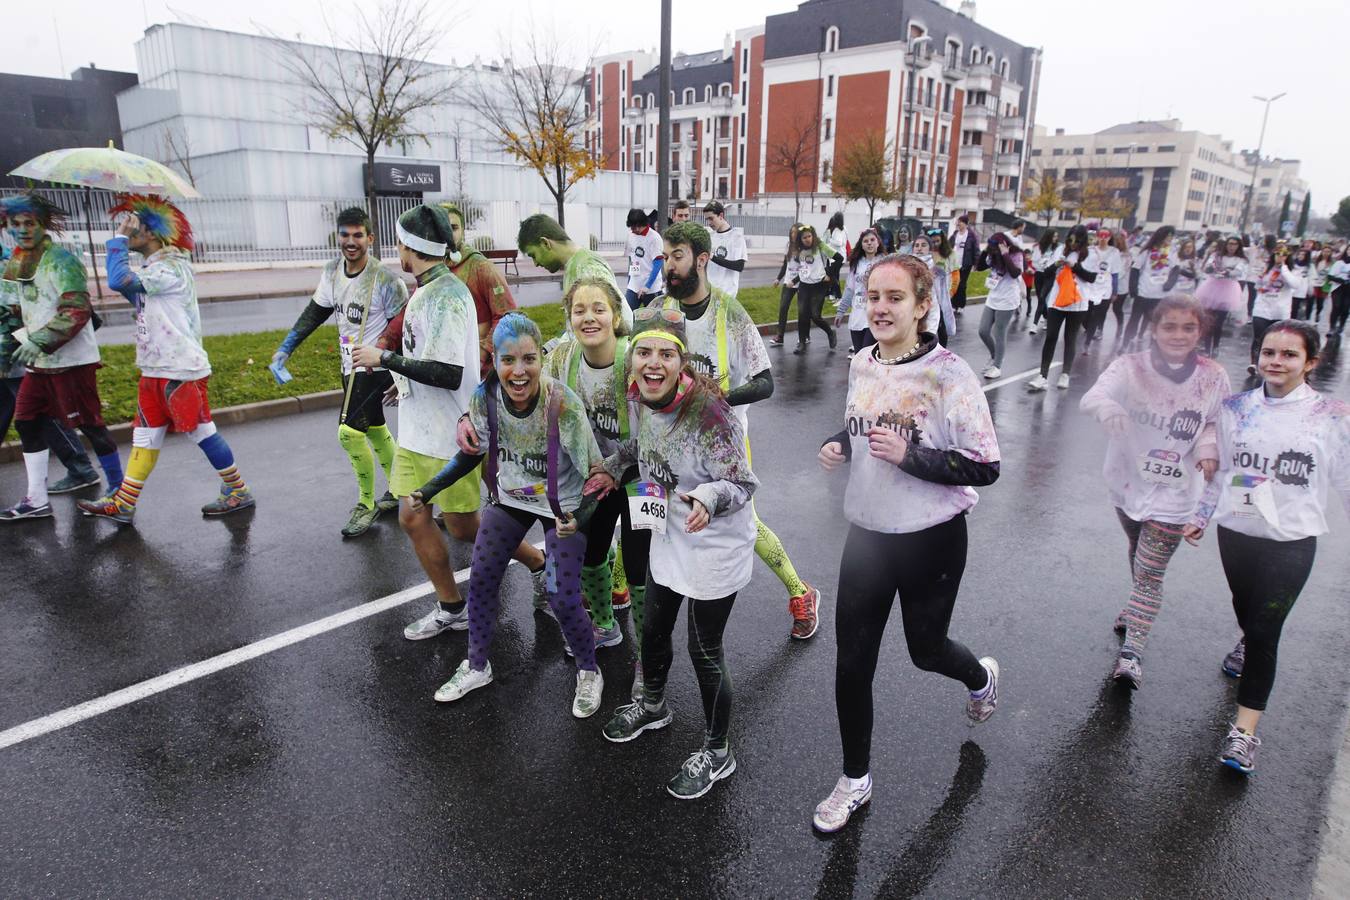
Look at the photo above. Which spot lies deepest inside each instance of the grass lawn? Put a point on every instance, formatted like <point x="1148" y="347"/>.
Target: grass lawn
<point x="239" y="361"/>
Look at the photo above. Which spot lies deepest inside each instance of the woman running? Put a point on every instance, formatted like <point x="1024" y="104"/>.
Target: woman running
<point x="1003" y="261"/>
<point x="786" y="289"/>
<point x="1222" y="293"/>
<point x="1066" y="306"/>
<point x="1283" y="448"/>
<point x="1300" y="262"/>
<point x="539" y="448"/>
<point x="918" y="437"/>
<point x="1102" y="260"/>
<point x="1275" y="289"/>
<point x="853" y="307"/>
<point x="806" y="272"/>
<point x="1044" y="258"/>
<point x="694" y="495"/>
<point x="1160" y="409"/>
<point x="1120" y="271"/>
<point x="1338" y="283"/>
<point x="1322" y="264"/>
<point x="937" y="254"/>
<point x="1152" y="267"/>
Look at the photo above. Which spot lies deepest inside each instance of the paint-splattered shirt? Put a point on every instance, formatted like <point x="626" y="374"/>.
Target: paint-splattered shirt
<point x="1279" y="459"/>
<point x="168" y="323"/>
<point x="522" y="447"/>
<point x="744" y="350"/>
<point x="375" y="287"/>
<point x="439" y="325"/>
<point x="49" y="287"/>
<point x="1173" y="414"/>
<point x="491" y="297"/>
<point x="699" y="451"/>
<point x="601" y="389"/>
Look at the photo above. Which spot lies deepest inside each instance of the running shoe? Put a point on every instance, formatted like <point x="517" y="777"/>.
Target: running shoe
<point x="540" y="599"/>
<point x="1037" y="384"/>
<point x="631" y="720"/>
<point x="26" y="510"/>
<point x="388" y="503"/>
<point x="981" y="704"/>
<point x="636" y="692"/>
<point x="74" y="483"/>
<point x="1120" y="627"/>
<point x="993" y="372"/>
<point x="834" y="339"/>
<point x="586" y="700"/>
<point x="361" y="519"/>
<point x="621" y="599"/>
<point x="799" y="349"/>
<point x="1032" y="328"/>
<point x="700" y="772"/>
<point x="436" y="622"/>
<point x="107" y="508"/>
<point x="805" y="613"/>
<point x="1239" y="751"/>
<point x="1128" y="672"/>
<point x="776" y="341"/>
<point x="1063" y="381"/>
<point x="465" y="679"/>
<point x="832" y="813"/>
<point x="228" y="502"/>
<point x="1232" y="663"/>
<point x="604" y="637"/>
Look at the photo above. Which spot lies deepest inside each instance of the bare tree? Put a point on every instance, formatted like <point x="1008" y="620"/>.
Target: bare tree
<point x="793" y="153"/>
<point x="176" y="150"/>
<point x="366" y="86"/>
<point x="535" y="111"/>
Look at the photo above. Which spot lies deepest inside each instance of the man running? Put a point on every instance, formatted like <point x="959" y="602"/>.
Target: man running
<point x="367" y="296"/>
<point x="681" y="212"/>
<point x="729" y="251"/>
<point x="725" y="345"/>
<point x="645" y="261"/>
<point x="169" y="352"/>
<point x="491" y="294"/>
<point x="435" y="370"/>
<point x="48" y="286"/>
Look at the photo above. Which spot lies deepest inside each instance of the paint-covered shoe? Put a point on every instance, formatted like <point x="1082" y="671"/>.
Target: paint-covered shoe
<point x="981" y="704"/>
<point x="361" y="519"/>
<point x="230" y="502"/>
<point x="1239" y="751"/>
<point x="387" y="503"/>
<point x="1128" y="672"/>
<point x="107" y="508"/>
<point x="833" y="812"/>
<point x="1233" y="662"/>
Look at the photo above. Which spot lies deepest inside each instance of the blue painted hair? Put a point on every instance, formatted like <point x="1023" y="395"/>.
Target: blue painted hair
<point x="514" y="326"/>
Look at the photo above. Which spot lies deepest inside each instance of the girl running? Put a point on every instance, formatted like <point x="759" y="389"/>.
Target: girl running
<point x="1153" y="265"/>
<point x="1044" y="259"/>
<point x="1160" y="409"/>
<point x="787" y="291"/>
<point x="1120" y="270"/>
<point x="1274" y="298"/>
<point x="1322" y="263"/>
<point x="854" y="304"/>
<point x="694" y="495"/>
<point x="1004" y="262"/>
<point x="806" y="271"/>
<point x="1066" y="306"/>
<point x="918" y="436"/>
<point x="1102" y="259"/>
<point x="1222" y="293"/>
<point x="1338" y="282"/>
<point x="1283" y="448"/>
<point x="1301" y="264"/>
<point x="934" y="251"/>
<point x="539" y="448"/>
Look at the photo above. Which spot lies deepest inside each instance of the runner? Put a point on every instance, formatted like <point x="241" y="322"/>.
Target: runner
<point x="787" y="291"/>
<point x="1275" y="288"/>
<point x="1338" y="283"/>
<point x="729" y="250"/>
<point x="543" y="240"/>
<point x="366" y="296"/>
<point x="1301" y="264"/>
<point x="175" y="371"/>
<point x="694" y="494"/>
<point x="1152" y="268"/>
<point x="1222" y="294"/>
<point x="432" y="351"/>
<point x="1003" y="260"/>
<point x="1066" y="305"/>
<point x="725" y="345"/>
<point x="539" y="448"/>
<point x="938" y="255"/>
<point x="919" y="437"/>
<point x="1122" y="264"/>
<point x="644" y="261"/>
<point x="806" y="272"/>
<point x="854" y="303"/>
<point x="1283" y="448"/>
<point x="48" y="287"/>
<point x="1159" y="408"/>
<point x="491" y="294"/>
<point x="1044" y="259"/>
<point x="1104" y="260"/>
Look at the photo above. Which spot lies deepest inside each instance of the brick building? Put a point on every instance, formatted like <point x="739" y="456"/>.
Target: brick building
<point x="954" y="100"/>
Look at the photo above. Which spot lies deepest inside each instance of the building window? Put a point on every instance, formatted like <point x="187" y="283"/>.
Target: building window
<point x="831" y="39"/>
<point x="623" y="80"/>
<point x="742" y="157"/>
<point x="688" y="95"/>
<point x="1167" y="148"/>
<point x="651" y="100"/>
<point x="1265" y="182"/>
<point x="1058" y="151"/>
<point x="724" y="127"/>
<point x="740" y="186"/>
<point x="742" y="124"/>
<point x="1077" y="151"/>
<point x="745" y="59"/>
<point x="721" y="189"/>
<point x="707" y="92"/>
<point x="825" y="171"/>
<point x="975" y="56"/>
<point x="1100" y="151"/>
<point x="1036" y="152"/>
<point x="637" y="101"/>
<point x="1003" y="69"/>
<point x="829" y="125"/>
<point x="675" y="160"/>
<point x="989" y="59"/>
<point x="724" y="89"/>
<point x="829" y="85"/>
<point x="723" y="158"/>
<point x="953" y="54"/>
<point x="675" y="132"/>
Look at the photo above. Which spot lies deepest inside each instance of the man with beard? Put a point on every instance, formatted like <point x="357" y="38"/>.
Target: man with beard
<point x="491" y="294"/>
<point x="366" y="296"/>
<point x="725" y="345"/>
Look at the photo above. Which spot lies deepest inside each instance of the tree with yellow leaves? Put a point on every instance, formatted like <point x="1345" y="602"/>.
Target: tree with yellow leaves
<point x="1046" y="199"/>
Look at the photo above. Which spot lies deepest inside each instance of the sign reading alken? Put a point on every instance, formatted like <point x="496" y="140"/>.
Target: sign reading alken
<point x="407" y="178"/>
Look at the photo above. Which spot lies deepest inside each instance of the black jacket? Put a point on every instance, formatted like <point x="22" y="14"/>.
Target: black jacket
<point x="972" y="250"/>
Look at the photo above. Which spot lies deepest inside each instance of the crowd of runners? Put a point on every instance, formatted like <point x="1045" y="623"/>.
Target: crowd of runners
<point x="627" y="439"/>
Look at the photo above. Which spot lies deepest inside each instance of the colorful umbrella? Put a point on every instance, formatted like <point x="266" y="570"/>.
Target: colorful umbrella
<point x="107" y="168"/>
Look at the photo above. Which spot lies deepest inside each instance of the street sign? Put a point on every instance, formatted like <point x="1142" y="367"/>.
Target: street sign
<point x="407" y="178"/>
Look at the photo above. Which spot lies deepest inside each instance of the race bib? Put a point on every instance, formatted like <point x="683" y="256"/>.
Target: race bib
<point x="1252" y="496"/>
<point x="647" y="506"/>
<point x="634" y="268"/>
<point x="530" y="493"/>
<point x="1163" y="467"/>
<point x="402" y="385"/>
<point x="345" y="345"/>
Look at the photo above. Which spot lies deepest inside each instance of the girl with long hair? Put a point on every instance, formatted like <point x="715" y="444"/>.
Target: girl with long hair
<point x="1003" y="260"/>
<point x="1044" y="259"/>
<point x="937" y="254"/>
<point x="1222" y="293"/>
<point x="1274" y="298"/>
<point x="1153" y="265"/>
<point x="1120" y="270"/>
<point x="806" y="271"/>
<point x="1322" y="262"/>
<point x="1301" y="264"/>
<point x="788" y="290"/>
<point x="1066" y="306"/>
<point x="853" y="306"/>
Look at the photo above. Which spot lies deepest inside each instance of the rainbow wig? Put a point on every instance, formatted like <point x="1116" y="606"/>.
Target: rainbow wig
<point x="50" y="216"/>
<point x="159" y="217"/>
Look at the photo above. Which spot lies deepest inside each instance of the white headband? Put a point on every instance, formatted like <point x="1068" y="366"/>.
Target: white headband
<point x="421" y="245"/>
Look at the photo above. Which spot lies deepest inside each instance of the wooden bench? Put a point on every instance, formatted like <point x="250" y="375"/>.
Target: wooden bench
<point x="506" y="257"/>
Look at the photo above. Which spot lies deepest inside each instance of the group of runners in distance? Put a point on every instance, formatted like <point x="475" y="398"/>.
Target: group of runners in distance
<point x="627" y="439"/>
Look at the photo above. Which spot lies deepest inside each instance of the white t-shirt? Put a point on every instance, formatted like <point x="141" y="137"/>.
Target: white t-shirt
<point x="728" y="245"/>
<point x="599" y="389"/>
<point x="374" y="285"/>
<point x="1084" y="287"/>
<point x="1004" y="290"/>
<point x="746" y="354"/>
<point x="1275" y="294"/>
<point x="1100" y="261"/>
<point x="440" y="324"/>
<point x="1154" y="267"/>
<point x="934" y="401"/>
<point x="58" y="272"/>
<point x="169" y="323"/>
<point x="643" y="251"/>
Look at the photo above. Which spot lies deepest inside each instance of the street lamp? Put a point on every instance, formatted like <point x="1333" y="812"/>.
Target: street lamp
<point x="1256" y="166"/>
<point x="913" y="54"/>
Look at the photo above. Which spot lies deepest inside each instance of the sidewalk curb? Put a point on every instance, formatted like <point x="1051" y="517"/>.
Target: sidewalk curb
<point x="1332" y="876"/>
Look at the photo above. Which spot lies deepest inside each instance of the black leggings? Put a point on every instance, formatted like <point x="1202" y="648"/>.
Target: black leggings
<point x="1266" y="578"/>
<point x="1140" y="314"/>
<point x="1215" y="334"/>
<point x="365" y="401"/>
<point x="1071" y="321"/>
<point x="1043" y="283"/>
<point x="1096" y="320"/>
<point x="707" y="621"/>
<point x="924" y="568"/>
<point x="34" y="440"/>
<point x="1340" y="308"/>
<point x="1259" y="328"/>
<point x="862" y="339"/>
<point x="959" y="298"/>
<point x="810" y="303"/>
<point x="784" y="301"/>
<point x="600" y="531"/>
<point x="1118" y="310"/>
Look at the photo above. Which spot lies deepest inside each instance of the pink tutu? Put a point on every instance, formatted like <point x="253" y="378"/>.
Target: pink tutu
<point x="1222" y="295"/>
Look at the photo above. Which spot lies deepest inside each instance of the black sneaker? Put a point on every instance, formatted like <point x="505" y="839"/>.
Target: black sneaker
<point x="388" y="503"/>
<point x="74" y="482"/>
<point x="26" y="510"/>
<point x="834" y="340"/>
<point x="631" y="720"/>
<point x="700" y="772"/>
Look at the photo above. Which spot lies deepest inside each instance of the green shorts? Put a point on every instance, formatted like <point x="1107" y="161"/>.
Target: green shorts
<point x="412" y="470"/>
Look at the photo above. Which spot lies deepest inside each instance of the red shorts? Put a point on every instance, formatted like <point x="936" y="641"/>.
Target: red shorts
<point x="70" y="396"/>
<point x="181" y="405"/>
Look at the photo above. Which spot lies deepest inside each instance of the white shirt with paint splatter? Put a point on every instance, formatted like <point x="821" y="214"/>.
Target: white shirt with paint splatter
<point x="440" y="324"/>
<point x="375" y="287"/>
<point x="169" y="324"/>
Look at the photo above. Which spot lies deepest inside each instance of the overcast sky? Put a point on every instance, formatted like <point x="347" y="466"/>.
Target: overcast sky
<point x="1198" y="60"/>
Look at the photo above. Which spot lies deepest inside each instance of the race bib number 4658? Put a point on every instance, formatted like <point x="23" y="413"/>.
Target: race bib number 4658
<point x="647" y="506"/>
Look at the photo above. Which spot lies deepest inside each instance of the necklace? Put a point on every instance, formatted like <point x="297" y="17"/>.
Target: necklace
<point x="876" y="354"/>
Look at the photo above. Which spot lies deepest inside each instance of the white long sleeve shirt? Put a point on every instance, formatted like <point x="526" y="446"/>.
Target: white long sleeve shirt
<point x="1275" y="294"/>
<point x="1154" y="267"/>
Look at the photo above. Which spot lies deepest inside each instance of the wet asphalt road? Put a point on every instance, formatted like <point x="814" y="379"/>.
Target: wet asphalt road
<point x="325" y="769"/>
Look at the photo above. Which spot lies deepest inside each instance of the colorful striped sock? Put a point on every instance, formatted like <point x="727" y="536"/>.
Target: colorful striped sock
<point x="139" y="466"/>
<point x="231" y="479"/>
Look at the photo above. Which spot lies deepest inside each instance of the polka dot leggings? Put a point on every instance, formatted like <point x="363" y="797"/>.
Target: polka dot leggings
<point x="498" y="536"/>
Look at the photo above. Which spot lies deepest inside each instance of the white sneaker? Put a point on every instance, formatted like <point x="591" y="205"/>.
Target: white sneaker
<point x="1037" y="384"/>
<point x="832" y="813"/>
<point x="1033" y="328"/>
<point x="540" y="598"/>
<point x="436" y="622"/>
<point x="464" y="680"/>
<point x="992" y="372"/>
<point x="590" y="685"/>
<point x="1064" y="381"/>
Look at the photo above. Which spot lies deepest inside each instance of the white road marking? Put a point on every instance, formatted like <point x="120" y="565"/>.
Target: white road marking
<point x="73" y="715"/>
<point x="1018" y="377"/>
